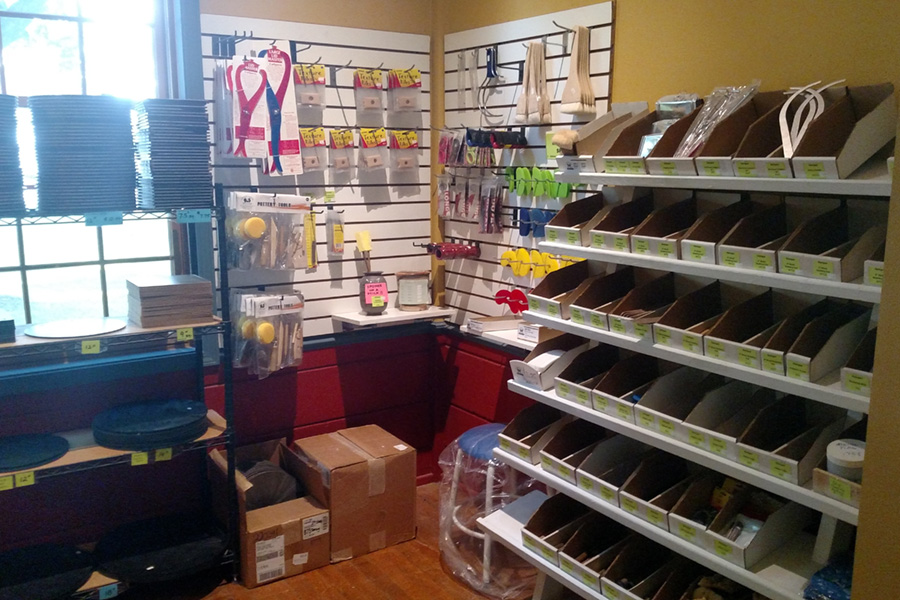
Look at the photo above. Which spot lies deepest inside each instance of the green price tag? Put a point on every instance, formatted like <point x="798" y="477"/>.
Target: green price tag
<point x="329" y="196"/>
<point x="772" y="363"/>
<point x="589" y="580"/>
<point x="525" y="453"/>
<point x="762" y="262"/>
<point x="780" y="469"/>
<point x="548" y="554"/>
<point x="629" y="505"/>
<point x="875" y="275"/>
<point x="687" y="532"/>
<point x="730" y="258"/>
<point x="666" y="427"/>
<point x="690" y="343"/>
<point x="857" y="383"/>
<point x="696" y="438"/>
<point x="666" y="249"/>
<point x="839" y="488"/>
<point x="582" y="397"/>
<point x="573" y="237"/>
<point x="24" y="479"/>
<point x="610" y="592"/>
<point x="646" y="419"/>
<point x="798" y="370"/>
<point x="504" y="444"/>
<point x="823" y="269"/>
<point x="565" y="565"/>
<point x="90" y="347"/>
<point x="552" y="149"/>
<point x="139" y="459"/>
<point x="598" y="321"/>
<point x="545" y="462"/>
<point x="577" y="316"/>
<point x="634" y="167"/>
<point x="663" y="335"/>
<point x="553" y="310"/>
<point x="715" y="348"/>
<point x="162" y="454"/>
<point x="624" y="412"/>
<point x="621" y="244"/>
<point x="814" y="170"/>
<point x="585" y="483"/>
<point x="711" y="168"/>
<point x="718" y="446"/>
<point x="607" y="494"/>
<point x="748" y="458"/>
<point x="377" y="300"/>
<point x="617" y="325"/>
<point x="655" y="517"/>
<point x="745" y="168"/>
<point x="611" y="166"/>
<point x="776" y="170"/>
<point x="641" y="246"/>
<point x="641" y="330"/>
<point x="668" y="167"/>
<point x="534" y="304"/>
<point x="789" y="264"/>
<point x="564" y="472"/>
<point x="6" y="483"/>
<point x="698" y="252"/>
<point x="748" y="357"/>
<point x="562" y="389"/>
<point x="597" y="240"/>
<point x="723" y="549"/>
<point x="601" y="403"/>
<point x="185" y="334"/>
<point x="552" y="235"/>
<point x="193" y="215"/>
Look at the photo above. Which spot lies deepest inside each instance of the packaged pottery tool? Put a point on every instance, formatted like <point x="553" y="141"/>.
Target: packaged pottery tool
<point x="309" y="85"/>
<point x="334" y="232"/>
<point x="404" y="90"/>
<point x="313" y="149"/>
<point x="266" y="231"/>
<point x="341" y="151"/>
<point x="404" y="150"/>
<point x="372" y="149"/>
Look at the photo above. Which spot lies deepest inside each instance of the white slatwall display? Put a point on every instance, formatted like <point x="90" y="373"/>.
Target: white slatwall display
<point x="396" y="212"/>
<point x="471" y="284"/>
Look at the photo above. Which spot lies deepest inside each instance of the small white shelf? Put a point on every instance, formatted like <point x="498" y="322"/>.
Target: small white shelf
<point x="827" y="390"/>
<point x="508" y="337"/>
<point x="394" y="316"/>
<point x="808" y="285"/>
<point x="782" y="575"/>
<point x="801" y="495"/>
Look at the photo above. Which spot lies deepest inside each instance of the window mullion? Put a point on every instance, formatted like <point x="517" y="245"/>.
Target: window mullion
<point x="102" y="258"/>
<point x="26" y="303"/>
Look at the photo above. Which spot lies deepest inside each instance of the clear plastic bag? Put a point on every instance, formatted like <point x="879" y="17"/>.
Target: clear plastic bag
<point x="464" y="501"/>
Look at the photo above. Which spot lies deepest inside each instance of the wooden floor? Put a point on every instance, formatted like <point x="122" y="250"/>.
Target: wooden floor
<point x="408" y="571"/>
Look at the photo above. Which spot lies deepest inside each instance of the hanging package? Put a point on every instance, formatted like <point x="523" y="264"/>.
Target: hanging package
<point x="404" y="90"/>
<point x="309" y="86"/>
<point x="404" y="150"/>
<point x="372" y="149"/>
<point x="281" y="104"/>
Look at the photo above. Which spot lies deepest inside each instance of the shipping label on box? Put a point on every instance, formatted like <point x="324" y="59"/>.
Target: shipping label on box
<point x="270" y="559"/>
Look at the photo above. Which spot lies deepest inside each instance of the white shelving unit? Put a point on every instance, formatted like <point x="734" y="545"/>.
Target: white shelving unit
<point x="506" y="336"/>
<point x="393" y="316"/>
<point x="782" y="575"/>
<point x="801" y="495"/>
<point x="827" y="390"/>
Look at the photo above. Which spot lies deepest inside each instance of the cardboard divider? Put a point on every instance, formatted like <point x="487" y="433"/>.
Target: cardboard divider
<point x="738" y="337"/>
<point x="677" y="584"/>
<point x="848" y="133"/>
<point x="696" y="497"/>
<point x="653" y="297"/>
<point x="571" y="225"/>
<point x="776" y="348"/>
<point x="655" y="475"/>
<point x="569" y="447"/>
<point x="551" y="526"/>
<point x="660" y="234"/>
<point x="576" y="381"/>
<point x="615" y="393"/>
<point x="661" y="160"/>
<point x="754" y="241"/>
<point x="547" y="360"/>
<point x="623" y="155"/>
<point x="595" y="138"/>
<point x="760" y="153"/>
<point x="856" y="375"/>
<point x="689" y="318"/>
<point x="603" y="292"/>
<point x="835" y="486"/>
<point x="556" y="290"/>
<point x="592" y="549"/>
<point x="723" y="415"/>
<point x="873" y="267"/>
<point x="671" y="398"/>
<point x="827" y="342"/>
<point x="643" y="563"/>
<point x="530" y="430"/>
<point x="701" y="241"/>
<point x="609" y="466"/>
<point x="613" y="230"/>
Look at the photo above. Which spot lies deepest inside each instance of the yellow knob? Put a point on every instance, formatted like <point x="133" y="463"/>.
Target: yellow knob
<point x="248" y="328"/>
<point x="265" y="332"/>
<point x="253" y="228"/>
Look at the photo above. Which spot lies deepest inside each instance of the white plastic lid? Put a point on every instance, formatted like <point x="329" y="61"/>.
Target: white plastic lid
<point x="847" y="453"/>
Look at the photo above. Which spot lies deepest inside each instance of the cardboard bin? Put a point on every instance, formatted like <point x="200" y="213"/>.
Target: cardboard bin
<point x="689" y="318"/>
<point x="695" y="497"/>
<point x="856" y="375"/>
<point x="660" y="234"/>
<point x="616" y="392"/>
<point x="654" y="487"/>
<point x="787" y="333"/>
<point x="874" y="267"/>
<point x="547" y="360"/>
<point x="276" y="541"/>
<point x="552" y="525"/>
<point x="644" y="563"/>
<point x="613" y="230"/>
<point x="595" y="137"/>
<point x="671" y="398"/>
<point x="556" y="291"/>
<point x="754" y="241"/>
<point x="788" y="438"/>
<point x="723" y="415"/>
<point x="577" y="380"/>
<point x="367" y="479"/>
<point x="530" y="430"/>
<point x="677" y="585"/>
<point x="662" y="160"/>
<point x="738" y="337"/>
<point x="569" y="447"/>
<point x="835" y="486"/>
<point x="655" y="296"/>
<point x="592" y="549"/>
<point x="609" y="466"/>
<point x="572" y="224"/>
<point x="592" y="306"/>
<point x="700" y="243"/>
<point x="827" y="342"/>
<point x="623" y="155"/>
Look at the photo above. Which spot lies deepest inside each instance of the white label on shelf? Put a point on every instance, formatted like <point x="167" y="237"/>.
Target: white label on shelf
<point x="270" y="559"/>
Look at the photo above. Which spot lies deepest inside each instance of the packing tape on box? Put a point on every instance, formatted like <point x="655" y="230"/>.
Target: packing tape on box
<point x="376" y="477"/>
<point x="345" y="554"/>
<point x="377" y="541"/>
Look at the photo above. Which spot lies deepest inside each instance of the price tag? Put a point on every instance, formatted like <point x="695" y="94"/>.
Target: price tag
<point x="607" y="494"/>
<point x="745" y="168"/>
<point x="597" y="240"/>
<point x="597" y="321"/>
<point x="690" y="343"/>
<point x="723" y="549"/>
<point x="585" y="483"/>
<point x="646" y="419"/>
<point x="562" y="389"/>
<point x="24" y="479"/>
<point x="875" y="275"/>
<point x="610" y="592"/>
<point x="698" y="252"/>
<point x="193" y="215"/>
<point x="529" y="543"/>
<point x="548" y="554"/>
<point x="582" y="397"/>
<point x="6" y="483"/>
<point x="504" y="444"/>
<point x="589" y="580"/>
<point x="572" y="237"/>
<point x="329" y="196"/>
<point x="564" y="472"/>
<point x="789" y="264"/>
<point x="696" y="438"/>
<point x="762" y="262"/>
<point x="90" y="347"/>
<point x="553" y="310"/>
<point x="687" y="532"/>
<point x="552" y="149"/>
<point x="655" y="517"/>
<point x="748" y="357"/>
<point x="711" y="168"/>
<point x="617" y="325"/>
<point x="525" y="453"/>
<point x="534" y="304"/>
<point x="857" y="383"/>
<point x="99" y="219"/>
<point x="552" y="235"/>
<point x="718" y="446"/>
<point x="162" y="454"/>
<point x="823" y="269"/>
<point x="814" y="170"/>
<point x="139" y="459"/>
<point x="798" y="370"/>
<point x="730" y="258"/>
<point x="377" y="300"/>
<point x="641" y="330"/>
<point x="781" y="469"/>
<point x="108" y="591"/>
<point x="748" y="458"/>
<point x="839" y="488"/>
<point x="601" y="403"/>
<point x="663" y="335"/>
<point x="545" y="462"/>
<point x="577" y="316"/>
<point x="624" y="412"/>
<point x="634" y="167"/>
<point x="776" y="170"/>
<point x="715" y="348"/>
<point x="641" y="246"/>
<point x="566" y="565"/>
<point x="668" y="167"/>
<point x="772" y="363"/>
<point x="666" y="427"/>
<point x="666" y="249"/>
<point x="185" y="334"/>
<point x="629" y="505"/>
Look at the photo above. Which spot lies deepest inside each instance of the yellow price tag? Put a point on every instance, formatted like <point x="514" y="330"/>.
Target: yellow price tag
<point x="723" y="549"/>
<point x="597" y="321"/>
<point x="377" y="300"/>
<point x="90" y="347"/>
<point x="780" y="469"/>
<point x="24" y="479"/>
<point x="623" y="411"/>
<point x="162" y="454"/>
<point x="823" y="269"/>
<point x="666" y="427"/>
<point x="797" y="370"/>
<point x="748" y="458"/>
<point x="654" y="516"/>
<point x="696" y="438"/>
<point x="715" y="348"/>
<point x="617" y="325"/>
<point x="790" y="264"/>
<point x="730" y="258"/>
<point x="875" y="275"/>
<point x="698" y="252"/>
<point x="641" y="246"/>
<point x="621" y="244"/>
<point x="718" y="446"/>
<point x="596" y="240"/>
<point x="607" y="494"/>
<point x="139" y="458"/>
<point x="582" y="397"/>
<point x="185" y="334"/>
<point x="668" y="167"/>
<point x="839" y="488"/>
<point x="601" y="403"/>
<point x="585" y="483"/>
<point x="647" y="420"/>
<point x="6" y="483"/>
<point x="562" y="389"/>
<point x="814" y="170"/>
<point x="686" y="531"/>
<point x="748" y="357"/>
<point x="630" y="505"/>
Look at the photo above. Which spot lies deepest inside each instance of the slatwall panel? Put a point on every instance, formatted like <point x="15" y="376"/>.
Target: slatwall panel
<point x="395" y="211"/>
<point x="471" y="284"/>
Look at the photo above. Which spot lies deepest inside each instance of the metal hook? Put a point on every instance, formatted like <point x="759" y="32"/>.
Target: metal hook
<point x="308" y="46"/>
<point x="561" y="27"/>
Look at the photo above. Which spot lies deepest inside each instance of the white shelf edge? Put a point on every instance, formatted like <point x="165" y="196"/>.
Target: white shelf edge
<point x="751" y="578"/>
<point x="797" y="493"/>
<point x="807" y="285"/>
<point x="507" y="337"/>
<point x="871" y="187"/>
<point x="828" y="394"/>
<point x="393" y="316"/>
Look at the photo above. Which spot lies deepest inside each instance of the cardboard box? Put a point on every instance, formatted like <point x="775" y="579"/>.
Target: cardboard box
<point x="738" y="337"/>
<point x="787" y="333"/>
<point x="569" y="447"/>
<point x="654" y="487"/>
<point x="754" y="241"/>
<point x="873" y="268"/>
<point x="552" y="525"/>
<point x="592" y="549"/>
<point x="548" y="359"/>
<point x="615" y="393"/>
<point x="553" y="295"/>
<point x="660" y="233"/>
<point x="689" y="318"/>
<point x="835" y="486"/>
<point x="848" y="133"/>
<point x="595" y="138"/>
<point x="572" y="224"/>
<point x="680" y="583"/>
<point x="700" y="243"/>
<point x="592" y="305"/>
<point x="623" y="155"/>
<point x="367" y="478"/>
<point x="723" y="415"/>
<point x="654" y="296"/>
<point x="670" y="399"/>
<point x="856" y="375"/>
<point x="644" y="563"/>
<point x="530" y="430"/>
<point x="577" y="380"/>
<point x="276" y="541"/>
<point x="609" y="466"/>
<point x="760" y="153"/>
<point x="613" y="230"/>
<point x="662" y="160"/>
<point x="696" y="497"/>
<point x="827" y="342"/>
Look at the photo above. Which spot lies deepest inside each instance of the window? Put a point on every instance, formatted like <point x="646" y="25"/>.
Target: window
<point x="54" y="268"/>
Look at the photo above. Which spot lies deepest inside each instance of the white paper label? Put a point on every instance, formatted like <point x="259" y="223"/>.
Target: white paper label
<point x="400" y="447"/>
<point x="315" y="526"/>
<point x="300" y="559"/>
<point x="527" y="332"/>
<point x="475" y="327"/>
<point x="270" y="559"/>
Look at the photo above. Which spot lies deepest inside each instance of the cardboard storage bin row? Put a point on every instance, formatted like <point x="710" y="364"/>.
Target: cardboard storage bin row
<point x="569" y="447"/>
<point x="573" y="223"/>
<point x="553" y="295"/>
<point x="856" y="375"/>
<point x="549" y="357"/>
<point x="834" y="485"/>
<point x="530" y="430"/>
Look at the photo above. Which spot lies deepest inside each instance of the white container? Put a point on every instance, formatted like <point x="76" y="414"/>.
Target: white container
<point x="845" y="459"/>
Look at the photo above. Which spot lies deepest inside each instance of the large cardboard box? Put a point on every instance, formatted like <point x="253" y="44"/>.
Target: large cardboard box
<point x="277" y="541"/>
<point x="367" y="479"/>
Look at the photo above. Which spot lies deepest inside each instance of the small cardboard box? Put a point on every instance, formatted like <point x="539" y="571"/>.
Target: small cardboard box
<point x="595" y="138"/>
<point x="609" y="465"/>
<point x="623" y="155"/>
<point x="592" y="549"/>
<point x="548" y="359"/>
<point x="660" y="233"/>
<point x="577" y="380"/>
<point x="556" y="291"/>
<point x="661" y="160"/>
<point x="367" y="479"/>
<point x="689" y="318"/>
<point x="530" y="430"/>
<point x="848" y="133"/>
<point x="572" y="224"/>
<point x="754" y="241"/>
<point x="654" y="487"/>
<point x="856" y="375"/>
<point x="827" y="342"/>
<point x="671" y="398"/>
<point x="569" y="447"/>
<point x="644" y="563"/>
<point x="873" y="268"/>
<point x="680" y="583"/>
<point x="276" y="541"/>
<point x="592" y="306"/>
<point x="835" y="486"/>
<point x="613" y="230"/>
<point x="655" y="296"/>
<point x="700" y="242"/>
<point x="738" y="337"/>
<point x="760" y="153"/>
<point x="723" y="416"/>
<point x="821" y="250"/>
<point x="615" y="393"/>
<point x="695" y="497"/>
<point x="788" y="332"/>
<point x="552" y="525"/>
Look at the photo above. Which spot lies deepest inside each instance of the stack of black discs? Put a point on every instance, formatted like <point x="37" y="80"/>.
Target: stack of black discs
<point x="85" y="154"/>
<point x="12" y="202"/>
<point x="43" y="572"/>
<point x="141" y="426"/>
<point x="173" y="154"/>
